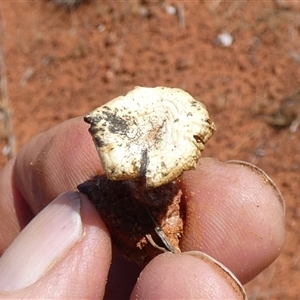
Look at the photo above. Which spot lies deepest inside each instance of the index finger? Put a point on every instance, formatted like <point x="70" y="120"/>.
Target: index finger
<point x="236" y="214"/>
<point x="55" y="161"/>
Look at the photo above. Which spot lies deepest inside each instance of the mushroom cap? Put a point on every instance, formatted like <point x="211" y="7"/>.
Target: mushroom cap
<point x="155" y="133"/>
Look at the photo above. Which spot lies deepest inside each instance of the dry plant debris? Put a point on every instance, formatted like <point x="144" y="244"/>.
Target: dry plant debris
<point x="67" y="3"/>
<point x="146" y="140"/>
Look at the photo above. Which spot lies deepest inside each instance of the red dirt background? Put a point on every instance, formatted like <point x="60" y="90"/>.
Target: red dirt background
<point x="63" y="63"/>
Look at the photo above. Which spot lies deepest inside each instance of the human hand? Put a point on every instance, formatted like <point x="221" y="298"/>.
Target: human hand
<point x="234" y="214"/>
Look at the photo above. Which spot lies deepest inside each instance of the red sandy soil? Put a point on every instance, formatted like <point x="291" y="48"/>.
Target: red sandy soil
<point x="63" y="63"/>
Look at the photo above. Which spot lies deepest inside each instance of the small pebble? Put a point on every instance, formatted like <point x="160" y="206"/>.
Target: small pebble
<point x="170" y="9"/>
<point x="225" y="39"/>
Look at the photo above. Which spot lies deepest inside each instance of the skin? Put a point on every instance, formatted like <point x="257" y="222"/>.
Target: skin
<point x="235" y="228"/>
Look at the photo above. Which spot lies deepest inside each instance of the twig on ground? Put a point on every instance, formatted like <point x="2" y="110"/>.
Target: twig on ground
<point x="181" y="15"/>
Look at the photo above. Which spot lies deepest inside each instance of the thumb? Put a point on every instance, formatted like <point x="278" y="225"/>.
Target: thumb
<point x="58" y="254"/>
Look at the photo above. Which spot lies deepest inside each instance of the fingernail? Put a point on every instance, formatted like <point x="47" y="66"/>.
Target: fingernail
<point x="226" y="274"/>
<point x="266" y="179"/>
<point x="42" y="243"/>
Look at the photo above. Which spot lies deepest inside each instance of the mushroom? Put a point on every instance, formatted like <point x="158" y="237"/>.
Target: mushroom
<point x="155" y="133"/>
<point x="145" y="140"/>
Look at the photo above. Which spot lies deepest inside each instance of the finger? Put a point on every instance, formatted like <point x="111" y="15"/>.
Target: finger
<point x="14" y="211"/>
<point x="191" y="275"/>
<point x="58" y="253"/>
<point x="235" y="214"/>
<point x="55" y="161"/>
